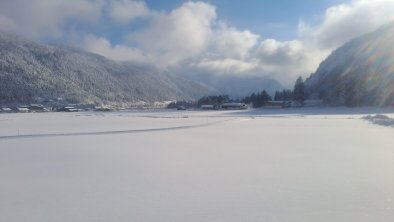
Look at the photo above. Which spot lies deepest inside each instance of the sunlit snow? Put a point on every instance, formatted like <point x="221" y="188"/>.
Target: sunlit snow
<point x="300" y="165"/>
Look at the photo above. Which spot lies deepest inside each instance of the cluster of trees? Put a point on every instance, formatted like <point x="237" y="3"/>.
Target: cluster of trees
<point x="185" y="104"/>
<point x="284" y="95"/>
<point x="213" y="100"/>
<point x="257" y="100"/>
<point x="297" y="94"/>
<point x="206" y="100"/>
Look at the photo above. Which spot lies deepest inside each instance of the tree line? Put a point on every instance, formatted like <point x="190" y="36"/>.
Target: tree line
<point x="257" y="100"/>
<point x="298" y="94"/>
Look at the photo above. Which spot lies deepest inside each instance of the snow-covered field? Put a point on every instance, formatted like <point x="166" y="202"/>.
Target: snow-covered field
<point x="256" y="165"/>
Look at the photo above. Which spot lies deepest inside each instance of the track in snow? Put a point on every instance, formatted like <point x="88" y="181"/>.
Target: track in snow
<point x="25" y="136"/>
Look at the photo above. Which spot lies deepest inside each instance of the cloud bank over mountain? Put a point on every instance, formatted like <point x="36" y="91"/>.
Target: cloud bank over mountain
<point x="192" y="37"/>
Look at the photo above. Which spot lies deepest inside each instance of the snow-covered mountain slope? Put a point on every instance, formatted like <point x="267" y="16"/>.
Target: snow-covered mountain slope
<point x="29" y="71"/>
<point x="360" y="72"/>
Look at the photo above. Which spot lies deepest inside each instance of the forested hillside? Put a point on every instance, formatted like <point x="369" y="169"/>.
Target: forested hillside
<point x="359" y="73"/>
<point x="31" y="72"/>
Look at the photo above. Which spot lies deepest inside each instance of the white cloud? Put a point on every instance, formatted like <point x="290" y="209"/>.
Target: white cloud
<point x="275" y="52"/>
<point x="284" y="61"/>
<point x="125" y="11"/>
<point x="181" y="34"/>
<point x="192" y="36"/>
<point x="233" y="43"/>
<point x="102" y="46"/>
<point x="6" y="23"/>
<point x="346" y="21"/>
<point x="43" y="18"/>
<point x="227" y="66"/>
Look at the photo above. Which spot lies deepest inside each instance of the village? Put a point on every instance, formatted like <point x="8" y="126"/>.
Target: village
<point x="40" y="108"/>
<point x="268" y="105"/>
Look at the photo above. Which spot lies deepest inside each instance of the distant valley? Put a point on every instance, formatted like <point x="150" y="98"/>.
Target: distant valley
<point x="359" y="73"/>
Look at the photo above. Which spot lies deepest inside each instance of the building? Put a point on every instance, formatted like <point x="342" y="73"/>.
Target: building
<point x="234" y="106"/>
<point x="207" y="107"/>
<point x="37" y="108"/>
<point x="22" y="109"/>
<point x="6" y="110"/>
<point x="68" y="109"/>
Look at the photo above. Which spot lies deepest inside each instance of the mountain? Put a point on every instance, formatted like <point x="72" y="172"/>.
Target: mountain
<point x="30" y="72"/>
<point x="360" y="72"/>
<point x="239" y="86"/>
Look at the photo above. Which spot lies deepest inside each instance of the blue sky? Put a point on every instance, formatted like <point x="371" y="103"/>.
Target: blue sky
<point x="271" y="19"/>
<point x="274" y="19"/>
<point x="277" y="39"/>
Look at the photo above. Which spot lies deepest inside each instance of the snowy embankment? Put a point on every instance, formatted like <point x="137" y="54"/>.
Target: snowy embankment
<point x="255" y="165"/>
<point x="380" y="120"/>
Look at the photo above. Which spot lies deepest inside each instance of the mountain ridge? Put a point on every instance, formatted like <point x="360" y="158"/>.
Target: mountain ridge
<point x="361" y="72"/>
<point x="31" y="71"/>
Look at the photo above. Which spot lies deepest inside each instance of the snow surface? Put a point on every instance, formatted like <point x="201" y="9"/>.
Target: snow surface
<point x="255" y="165"/>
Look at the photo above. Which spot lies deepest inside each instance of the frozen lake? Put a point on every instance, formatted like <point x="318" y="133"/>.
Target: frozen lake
<point x="300" y="165"/>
